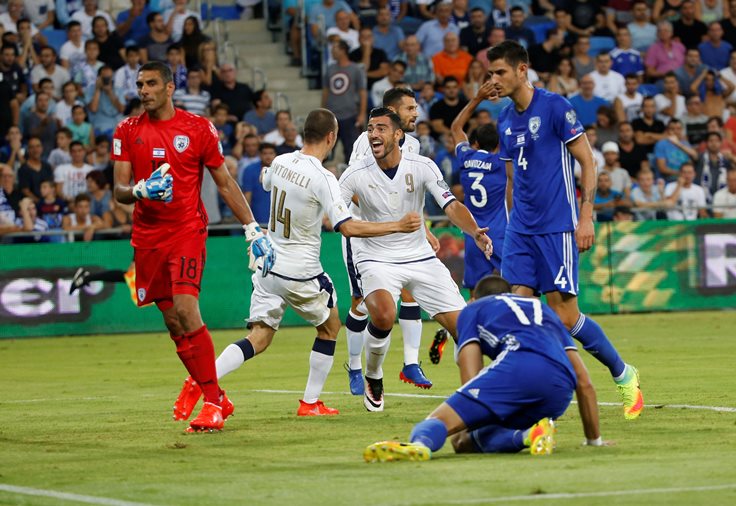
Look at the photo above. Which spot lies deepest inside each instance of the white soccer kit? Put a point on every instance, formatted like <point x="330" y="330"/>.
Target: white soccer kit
<point x="398" y="260"/>
<point x="362" y="149"/>
<point x="302" y="191"/>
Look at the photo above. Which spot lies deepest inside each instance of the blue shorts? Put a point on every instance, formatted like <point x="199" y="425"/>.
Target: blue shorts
<point x="476" y="265"/>
<point x="546" y="262"/>
<point x="514" y="392"/>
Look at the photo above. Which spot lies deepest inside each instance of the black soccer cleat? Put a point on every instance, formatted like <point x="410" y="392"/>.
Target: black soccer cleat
<point x="79" y="280"/>
<point x="438" y="346"/>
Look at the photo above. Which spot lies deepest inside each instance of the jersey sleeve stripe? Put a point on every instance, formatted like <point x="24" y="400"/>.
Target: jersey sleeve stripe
<point x="466" y="342"/>
<point x="574" y="137"/>
<point x="337" y="227"/>
<point x="448" y="203"/>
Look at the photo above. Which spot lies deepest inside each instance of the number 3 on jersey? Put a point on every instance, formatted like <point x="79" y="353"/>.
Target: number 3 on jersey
<point x="279" y="212"/>
<point x="478" y="178"/>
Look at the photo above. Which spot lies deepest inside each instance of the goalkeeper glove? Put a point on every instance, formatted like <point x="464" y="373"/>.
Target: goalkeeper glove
<point x="159" y="186"/>
<point x="260" y="250"/>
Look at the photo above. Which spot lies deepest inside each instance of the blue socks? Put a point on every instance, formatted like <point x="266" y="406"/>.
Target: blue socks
<point x="497" y="439"/>
<point x="595" y="342"/>
<point x="431" y="433"/>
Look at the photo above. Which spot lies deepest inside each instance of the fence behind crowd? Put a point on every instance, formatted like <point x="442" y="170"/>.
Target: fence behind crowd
<point x="635" y="266"/>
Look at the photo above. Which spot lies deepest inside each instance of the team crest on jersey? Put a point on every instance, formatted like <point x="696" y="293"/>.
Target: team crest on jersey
<point x="181" y="142"/>
<point x="141" y="294"/>
<point x="571" y="117"/>
<point x="534" y="124"/>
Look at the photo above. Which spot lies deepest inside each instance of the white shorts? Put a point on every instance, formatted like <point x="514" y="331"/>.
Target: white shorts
<point x="311" y="299"/>
<point x="429" y="282"/>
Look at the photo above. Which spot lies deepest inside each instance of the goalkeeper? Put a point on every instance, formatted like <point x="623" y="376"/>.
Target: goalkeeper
<point x="166" y="150"/>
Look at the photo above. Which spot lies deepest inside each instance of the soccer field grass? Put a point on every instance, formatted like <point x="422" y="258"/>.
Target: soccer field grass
<point x="92" y="416"/>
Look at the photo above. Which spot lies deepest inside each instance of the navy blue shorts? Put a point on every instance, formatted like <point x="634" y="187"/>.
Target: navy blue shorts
<point x="515" y="391"/>
<point x="477" y="266"/>
<point x="546" y="262"/>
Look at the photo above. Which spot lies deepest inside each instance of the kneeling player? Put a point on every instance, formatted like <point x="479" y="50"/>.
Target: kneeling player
<point x="511" y="404"/>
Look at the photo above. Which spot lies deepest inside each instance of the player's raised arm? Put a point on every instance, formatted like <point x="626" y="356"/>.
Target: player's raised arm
<point x="585" y="232"/>
<point x="458" y="124"/>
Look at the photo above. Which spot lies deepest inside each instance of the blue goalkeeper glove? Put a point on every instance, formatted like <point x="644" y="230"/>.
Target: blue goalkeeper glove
<point x="159" y="186"/>
<point x="260" y="251"/>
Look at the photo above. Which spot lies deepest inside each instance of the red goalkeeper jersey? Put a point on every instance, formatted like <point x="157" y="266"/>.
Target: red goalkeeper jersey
<point x="188" y="143"/>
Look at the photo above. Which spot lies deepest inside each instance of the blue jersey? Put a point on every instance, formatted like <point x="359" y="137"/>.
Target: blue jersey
<point x="506" y="323"/>
<point x="626" y="61"/>
<point x="535" y="140"/>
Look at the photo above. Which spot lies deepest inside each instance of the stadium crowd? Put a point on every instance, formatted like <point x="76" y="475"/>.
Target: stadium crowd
<point x="654" y="84"/>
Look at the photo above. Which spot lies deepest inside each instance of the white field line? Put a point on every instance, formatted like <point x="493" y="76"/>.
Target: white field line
<point x="582" y="495"/>
<point x="65" y="496"/>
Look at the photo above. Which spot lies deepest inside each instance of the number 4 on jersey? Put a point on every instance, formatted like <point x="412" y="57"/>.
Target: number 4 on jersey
<point x="522" y="163"/>
<point x="561" y="280"/>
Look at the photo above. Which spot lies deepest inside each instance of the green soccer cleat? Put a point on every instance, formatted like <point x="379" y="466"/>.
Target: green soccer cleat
<point x="631" y="395"/>
<point x="541" y="437"/>
<point x="390" y="451"/>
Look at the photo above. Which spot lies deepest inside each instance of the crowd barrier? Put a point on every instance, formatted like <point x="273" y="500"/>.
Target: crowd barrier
<point x="634" y="267"/>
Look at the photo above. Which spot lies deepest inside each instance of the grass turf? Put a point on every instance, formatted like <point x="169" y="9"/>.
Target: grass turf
<point x="91" y="416"/>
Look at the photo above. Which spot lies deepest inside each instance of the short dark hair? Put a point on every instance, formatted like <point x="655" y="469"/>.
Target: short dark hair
<point x="717" y="134"/>
<point x="393" y="96"/>
<point x="342" y="45"/>
<point x="491" y="285"/>
<point x="44" y="48"/>
<point x="9" y="46"/>
<point x="90" y="42"/>
<point x="450" y="79"/>
<point x="82" y="197"/>
<point x="65" y="131"/>
<point x="151" y="16"/>
<point x="257" y="95"/>
<point x="162" y="68"/>
<point x="318" y="125"/>
<point x="173" y="47"/>
<point x="510" y="51"/>
<point x="516" y="8"/>
<point x="487" y="137"/>
<point x="266" y="145"/>
<point x="101" y="139"/>
<point x="379" y="112"/>
<point x="75" y="143"/>
<point x="283" y="111"/>
<point x="670" y="74"/>
<point x="72" y="24"/>
<point x="98" y="177"/>
<point x="133" y="48"/>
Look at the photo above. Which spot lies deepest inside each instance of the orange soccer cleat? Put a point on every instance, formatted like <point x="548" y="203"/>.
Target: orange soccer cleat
<point x="316" y="409"/>
<point x="226" y="405"/>
<point x="187" y="400"/>
<point x="208" y="420"/>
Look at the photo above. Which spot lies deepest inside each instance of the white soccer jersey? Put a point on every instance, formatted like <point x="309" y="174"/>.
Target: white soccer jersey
<point x="383" y="199"/>
<point x="362" y="147"/>
<point x="302" y="191"/>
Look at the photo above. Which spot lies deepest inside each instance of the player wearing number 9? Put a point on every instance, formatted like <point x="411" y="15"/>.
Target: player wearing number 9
<point x="166" y="151"/>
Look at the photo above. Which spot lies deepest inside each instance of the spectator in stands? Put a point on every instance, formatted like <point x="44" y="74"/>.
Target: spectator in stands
<point x="342" y="30"/>
<point x="99" y="159"/>
<point x="27" y="45"/>
<point x="581" y="59"/>
<point x="225" y="130"/>
<point x="156" y="40"/>
<point x="687" y="28"/>
<point x="9" y="20"/>
<point x="728" y="23"/>
<point x="111" y="45"/>
<point x="248" y="153"/>
<point x="665" y="55"/>
<point x="99" y="194"/>
<point x="34" y="170"/>
<point x="695" y="122"/>
<point x="628" y="104"/>
<point x="690" y="71"/>
<point x="70" y="178"/>
<point x="432" y="32"/>
<point x="387" y="36"/>
<point x="105" y="106"/>
<point x="291" y="142"/>
<point x="668" y="11"/>
<point x="545" y="57"/>
<point x="261" y="115"/>
<point x="374" y="60"/>
<point x="82" y="218"/>
<point x="193" y="98"/>
<point x="12" y="73"/>
<point x="133" y="25"/>
<point x="28" y="221"/>
<point x="325" y="13"/>
<point x="444" y="111"/>
<point x="724" y="200"/>
<point x="712" y="165"/>
<point x="42" y="13"/>
<point x="672" y="151"/>
<point x="60" y="154"/>
<point x="86" y="16"/>
<point x="175" y="60"/>
<point x="712" y="89"/>
<point x="670" y="103"/>
<point x="474" y="79"/>
<point x="176" y="16"/>
<point x="631" y="156"/>
<point x="518" y="31"/>
<point x="51" y="208"/>
<point x="647" y="195"/>
<point x="13" y="152"/>
<point x="460" y="13"/>
<point x="86" y="73"/>
<point x="473" y="37"/>
<point x="643" y="33"/>
<point x="227" y="90"/>
<point x="689" y="197"/>
<point x="710" y="10"/>
<point x="606" y="199"/>
<point x="586" y="103"/>
<point x="258" y="198"/>
<point x="606" y="124"/>
<point x="419" y="69"/>
<point x="501" y="14"/>
<point x="729" y="73"/>
<point x="277" y="136"/>
<point x="344" y="93"/>
<point x="608" y="84"/>
<point x="81" y="129"/>
<point x="620" y="180"/>
<point x="70" y="98"/>
<point x="42" y="123"/>
<point x="648" y="130"/>
<point x="72" y="51"/>
<point x="191" y="40"/>
<point x="394" y="78"/>
<point x="451" y="61"/>
<point x="714" y="51"/>
<point x="125" y="77"/>
<point x="49" y="69"/>
<point x="119" y="216"/>
<point x="563" y="80"/>
<point x="496" y="36"/>
<point x="625" y="59"/>
<point x="46" y="86"/>
<point x="10" y="197"/>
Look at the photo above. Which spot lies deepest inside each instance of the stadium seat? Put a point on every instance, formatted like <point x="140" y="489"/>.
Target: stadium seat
<point x="540" y="30"/>
<point x="598" y="44"/>
<point x="648" y="90"/>
<point x="225" y="12"/>
<point x="55" y="38"/>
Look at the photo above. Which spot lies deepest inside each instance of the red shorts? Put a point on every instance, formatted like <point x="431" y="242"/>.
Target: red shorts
<point x="174" y="269"/>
